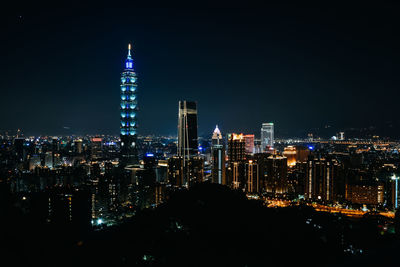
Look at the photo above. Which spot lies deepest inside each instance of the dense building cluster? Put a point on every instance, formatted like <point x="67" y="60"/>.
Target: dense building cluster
<point x="107" y="179"/>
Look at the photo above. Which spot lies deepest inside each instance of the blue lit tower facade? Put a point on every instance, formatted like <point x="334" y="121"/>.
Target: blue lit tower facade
<point x="128" y="107"/>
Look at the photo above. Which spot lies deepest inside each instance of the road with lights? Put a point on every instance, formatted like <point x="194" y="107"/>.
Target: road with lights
<point x="324" y="208"/>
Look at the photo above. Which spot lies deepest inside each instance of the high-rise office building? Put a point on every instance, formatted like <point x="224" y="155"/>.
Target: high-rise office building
<point x="78" y="146"/>
<point x="262" y="161"/>
<point x="302" y="154"/>
<point x="216" y="138"/>
<point x="195" y="170"/>
<point x="236" y="147"/>
<point x="276" y="183"/>
<point x="321" y="179"/>
<point x="257" y="146"/>
<point x="267" y="136"/>
<point x="128" y="107"/>
<point x="19" y="148"/>
<point x="394" y="184"/>
<point x="236" y="174"/>
<point x="290" y="153"/>
<point x="218" y="158"/>
<point x="96" y="148"/>
<point x="253" y="177"/>
<point x="187" y="129"/>
<point x="187" y="142"/>
<point x="249" y="143"/>
<point x="175" y="171"/>
<point x="236" y="165"/>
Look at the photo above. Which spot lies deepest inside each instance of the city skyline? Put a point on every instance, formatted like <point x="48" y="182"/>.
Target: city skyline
<point x="204" y="57"/>
<point x="184" y="137"/>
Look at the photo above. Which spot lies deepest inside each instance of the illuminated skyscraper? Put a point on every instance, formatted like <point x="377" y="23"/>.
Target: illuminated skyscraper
<point x="253" y="178"/>
<point x="216" y="137"/>
<point x="96" y="148"/>
<point x="267" y="136"/>
<point x="188" y="143"/>
<point x="276" y="180"/>
<point x="395" y="192"/>
<point x="236" y="157"/>
<point x="129" y="153"/>
<point x="249" y="141"/>
<point x="187" y="129"/>
<point x="290" y="153"/>
<point x="236" y="147"/>
<point x="321" y="179"/>
<point x="218" y="158"/>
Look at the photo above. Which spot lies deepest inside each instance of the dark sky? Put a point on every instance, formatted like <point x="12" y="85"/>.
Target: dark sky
<point x="298" y="67"/>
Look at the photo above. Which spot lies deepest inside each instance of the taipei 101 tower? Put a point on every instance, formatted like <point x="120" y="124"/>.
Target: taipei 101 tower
<point x="128" y="107"/>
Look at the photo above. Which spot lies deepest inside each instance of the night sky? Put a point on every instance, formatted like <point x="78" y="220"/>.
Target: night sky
<point x="298" y="67"/>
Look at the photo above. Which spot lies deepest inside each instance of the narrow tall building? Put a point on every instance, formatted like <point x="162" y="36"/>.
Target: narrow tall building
<point x="253" y="177"/>
<point x="187" y="140"/>
<point x="236" y="163"/>
<point x="218" y="158"/>
<point x="267" y="136"/>
<point x="187" y="129"/>
<point x="128" y="107"/>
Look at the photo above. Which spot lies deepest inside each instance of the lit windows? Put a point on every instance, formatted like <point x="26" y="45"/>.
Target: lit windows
<point x="128" y="64"/>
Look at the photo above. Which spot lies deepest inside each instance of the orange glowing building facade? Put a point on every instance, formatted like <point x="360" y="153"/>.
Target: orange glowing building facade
<point x="249" y="143"/>
<point x="253" y="178"/>
<point x="372" y="194"/>
<point x="290" y="153"/>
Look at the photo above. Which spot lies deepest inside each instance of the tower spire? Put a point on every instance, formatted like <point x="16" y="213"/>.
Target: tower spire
<point x="129" y="60"/>
<point x="129" y="51"/>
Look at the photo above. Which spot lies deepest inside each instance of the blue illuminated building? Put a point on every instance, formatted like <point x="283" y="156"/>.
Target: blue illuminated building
<point x="128" y="108"/>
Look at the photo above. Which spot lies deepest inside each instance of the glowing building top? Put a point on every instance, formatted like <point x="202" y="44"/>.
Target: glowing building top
<point x="217" y="133"/>
<point x="129" y="61"/>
